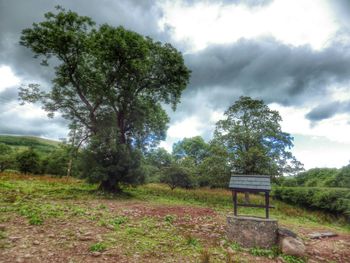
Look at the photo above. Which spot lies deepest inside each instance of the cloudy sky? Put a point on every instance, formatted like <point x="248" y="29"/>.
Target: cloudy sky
<point x="295" y="55"/>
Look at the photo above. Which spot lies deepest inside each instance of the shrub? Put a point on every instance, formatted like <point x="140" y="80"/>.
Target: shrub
<point x="334" y="200"/>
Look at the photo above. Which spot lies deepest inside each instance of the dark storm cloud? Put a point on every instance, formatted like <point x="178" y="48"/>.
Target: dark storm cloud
<point x="16" y="15"/>
<point x="268" y="70"/>
<point x="140" y="16"/>
<point x="325" y="111"/>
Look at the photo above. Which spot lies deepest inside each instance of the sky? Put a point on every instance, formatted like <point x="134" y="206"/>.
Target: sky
<point x="294" y="55"/>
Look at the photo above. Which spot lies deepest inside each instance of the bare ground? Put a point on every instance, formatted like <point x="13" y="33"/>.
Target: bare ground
<point x="69" y="239"/>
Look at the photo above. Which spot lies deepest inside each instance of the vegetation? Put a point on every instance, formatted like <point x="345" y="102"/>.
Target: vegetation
<point x="111" y="84"/>
<point x="252" y="135"/>
<point x="334" y="200"/>
<point x="133" y="222"/>
<point x="321" y="177"/>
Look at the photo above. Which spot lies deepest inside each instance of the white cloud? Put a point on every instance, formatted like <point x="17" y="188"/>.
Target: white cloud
<point x="7" y="77"/>
<point x="289" y="21"/>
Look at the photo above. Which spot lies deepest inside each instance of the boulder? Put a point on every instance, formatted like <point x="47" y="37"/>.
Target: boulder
<point x="293" y="246"/>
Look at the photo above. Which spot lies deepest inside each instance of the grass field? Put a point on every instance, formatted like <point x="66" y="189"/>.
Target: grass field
<point x="46" y="219"/>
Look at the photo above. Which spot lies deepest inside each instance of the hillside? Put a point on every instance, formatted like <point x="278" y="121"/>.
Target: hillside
<point x="24" y="142"/>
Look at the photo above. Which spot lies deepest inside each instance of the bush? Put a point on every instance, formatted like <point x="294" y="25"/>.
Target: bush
<point x="334" y="200"/>
<point x="28" y="161"/>
<point x="177" y="176"/>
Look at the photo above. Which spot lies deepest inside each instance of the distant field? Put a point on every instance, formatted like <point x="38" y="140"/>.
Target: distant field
<point x="25" y="142"/>
<point x="48" y="219"/>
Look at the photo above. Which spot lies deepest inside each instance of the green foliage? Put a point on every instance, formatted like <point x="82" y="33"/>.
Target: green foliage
<point x="334" y="200"/>
<point x="215" y="170"/>
<point x="170" y="218"/>
<point x="321" y="177"/>
<point x="177" y="176"/>
<point x="56" y="162"/>
<point x="110" y="164"/>
<point x="111" y="83"/>
<point x="98" y="247"/>
<point x="7" y="159"/>
<point x="253" y="137"/>
<point x="28" y="161"/>
<point x="119" y="220"/>
<point x="292" y="259"/>
<point x="195" y="148"/>
<point x="269" y="253"/>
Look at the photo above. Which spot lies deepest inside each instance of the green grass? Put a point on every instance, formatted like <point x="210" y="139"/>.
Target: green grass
<point x="40" y="199"/>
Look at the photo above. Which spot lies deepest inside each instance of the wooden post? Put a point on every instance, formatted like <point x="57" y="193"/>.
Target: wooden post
<point x="267" y="203"/>
<point x="234" y="195"/>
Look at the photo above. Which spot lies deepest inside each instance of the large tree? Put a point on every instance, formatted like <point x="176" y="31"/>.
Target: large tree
<point x="252" y="135"/>
<point x="108" y="80"/>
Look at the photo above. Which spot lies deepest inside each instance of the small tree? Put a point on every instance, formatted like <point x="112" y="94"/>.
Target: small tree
<point x="6" y="157"/>
<point x="177" y="176"/>
<point x="28" y="161"/>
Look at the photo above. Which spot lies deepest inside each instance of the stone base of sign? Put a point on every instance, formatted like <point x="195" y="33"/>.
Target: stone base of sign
<point x="252" y="231"/>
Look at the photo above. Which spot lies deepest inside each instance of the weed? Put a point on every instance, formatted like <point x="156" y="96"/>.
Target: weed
<point x="119" y="220"/>
<point x="98" y="247"/>
<point x="292" y="259"/>
<point x="192" y="241"/>
<point x="269" y="253"/>
<point x="35" y="220"/>
<point x="170" y="218"/>
<point x="235" y="246"/>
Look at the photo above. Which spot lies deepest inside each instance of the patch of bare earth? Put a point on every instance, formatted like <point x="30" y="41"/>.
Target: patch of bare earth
<point x="69" y="240"/>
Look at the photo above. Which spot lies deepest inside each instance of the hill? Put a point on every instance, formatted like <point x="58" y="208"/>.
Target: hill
<point x="24" y="142"/>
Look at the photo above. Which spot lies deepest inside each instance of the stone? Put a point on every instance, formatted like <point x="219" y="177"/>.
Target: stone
<point x="293" y="247"/>
<point x="230" y="251"/>
<point x="284" y="232"/>
<point x="14" y="239"/>
<point x="2" y="227"/>
<point x="36" y="242"/>
<point x="96" y="254"/>
<point x="317" y="235"/>
<point x="251" y="231"/>
<point x="85" y="238"/>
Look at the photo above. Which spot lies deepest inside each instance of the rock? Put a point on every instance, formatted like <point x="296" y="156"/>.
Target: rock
<point x="51" y="236"/>
<point x="292" y="246"/>
<point x="317" y="235"/>
<point x="222" y="243"/>
<point x="96" y="254"/>
<point x="20" y="260"/>
<point x="2" y="227"/>
<point x="27" y="255"/>
<point x="14" y="239"/>
<point x="36" y="242"/>
<point x="84" y="238"/>
<point x="284" y="232"/>
<point x="230" y="251"/>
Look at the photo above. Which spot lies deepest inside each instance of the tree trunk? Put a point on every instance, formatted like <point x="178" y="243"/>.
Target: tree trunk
<point x="108" y="186"/>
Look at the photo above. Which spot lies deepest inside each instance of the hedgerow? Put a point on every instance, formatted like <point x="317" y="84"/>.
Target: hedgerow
<point x="333" y="200"/>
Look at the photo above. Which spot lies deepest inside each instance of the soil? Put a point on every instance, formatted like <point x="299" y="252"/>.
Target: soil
<point x="59" y="240"/>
